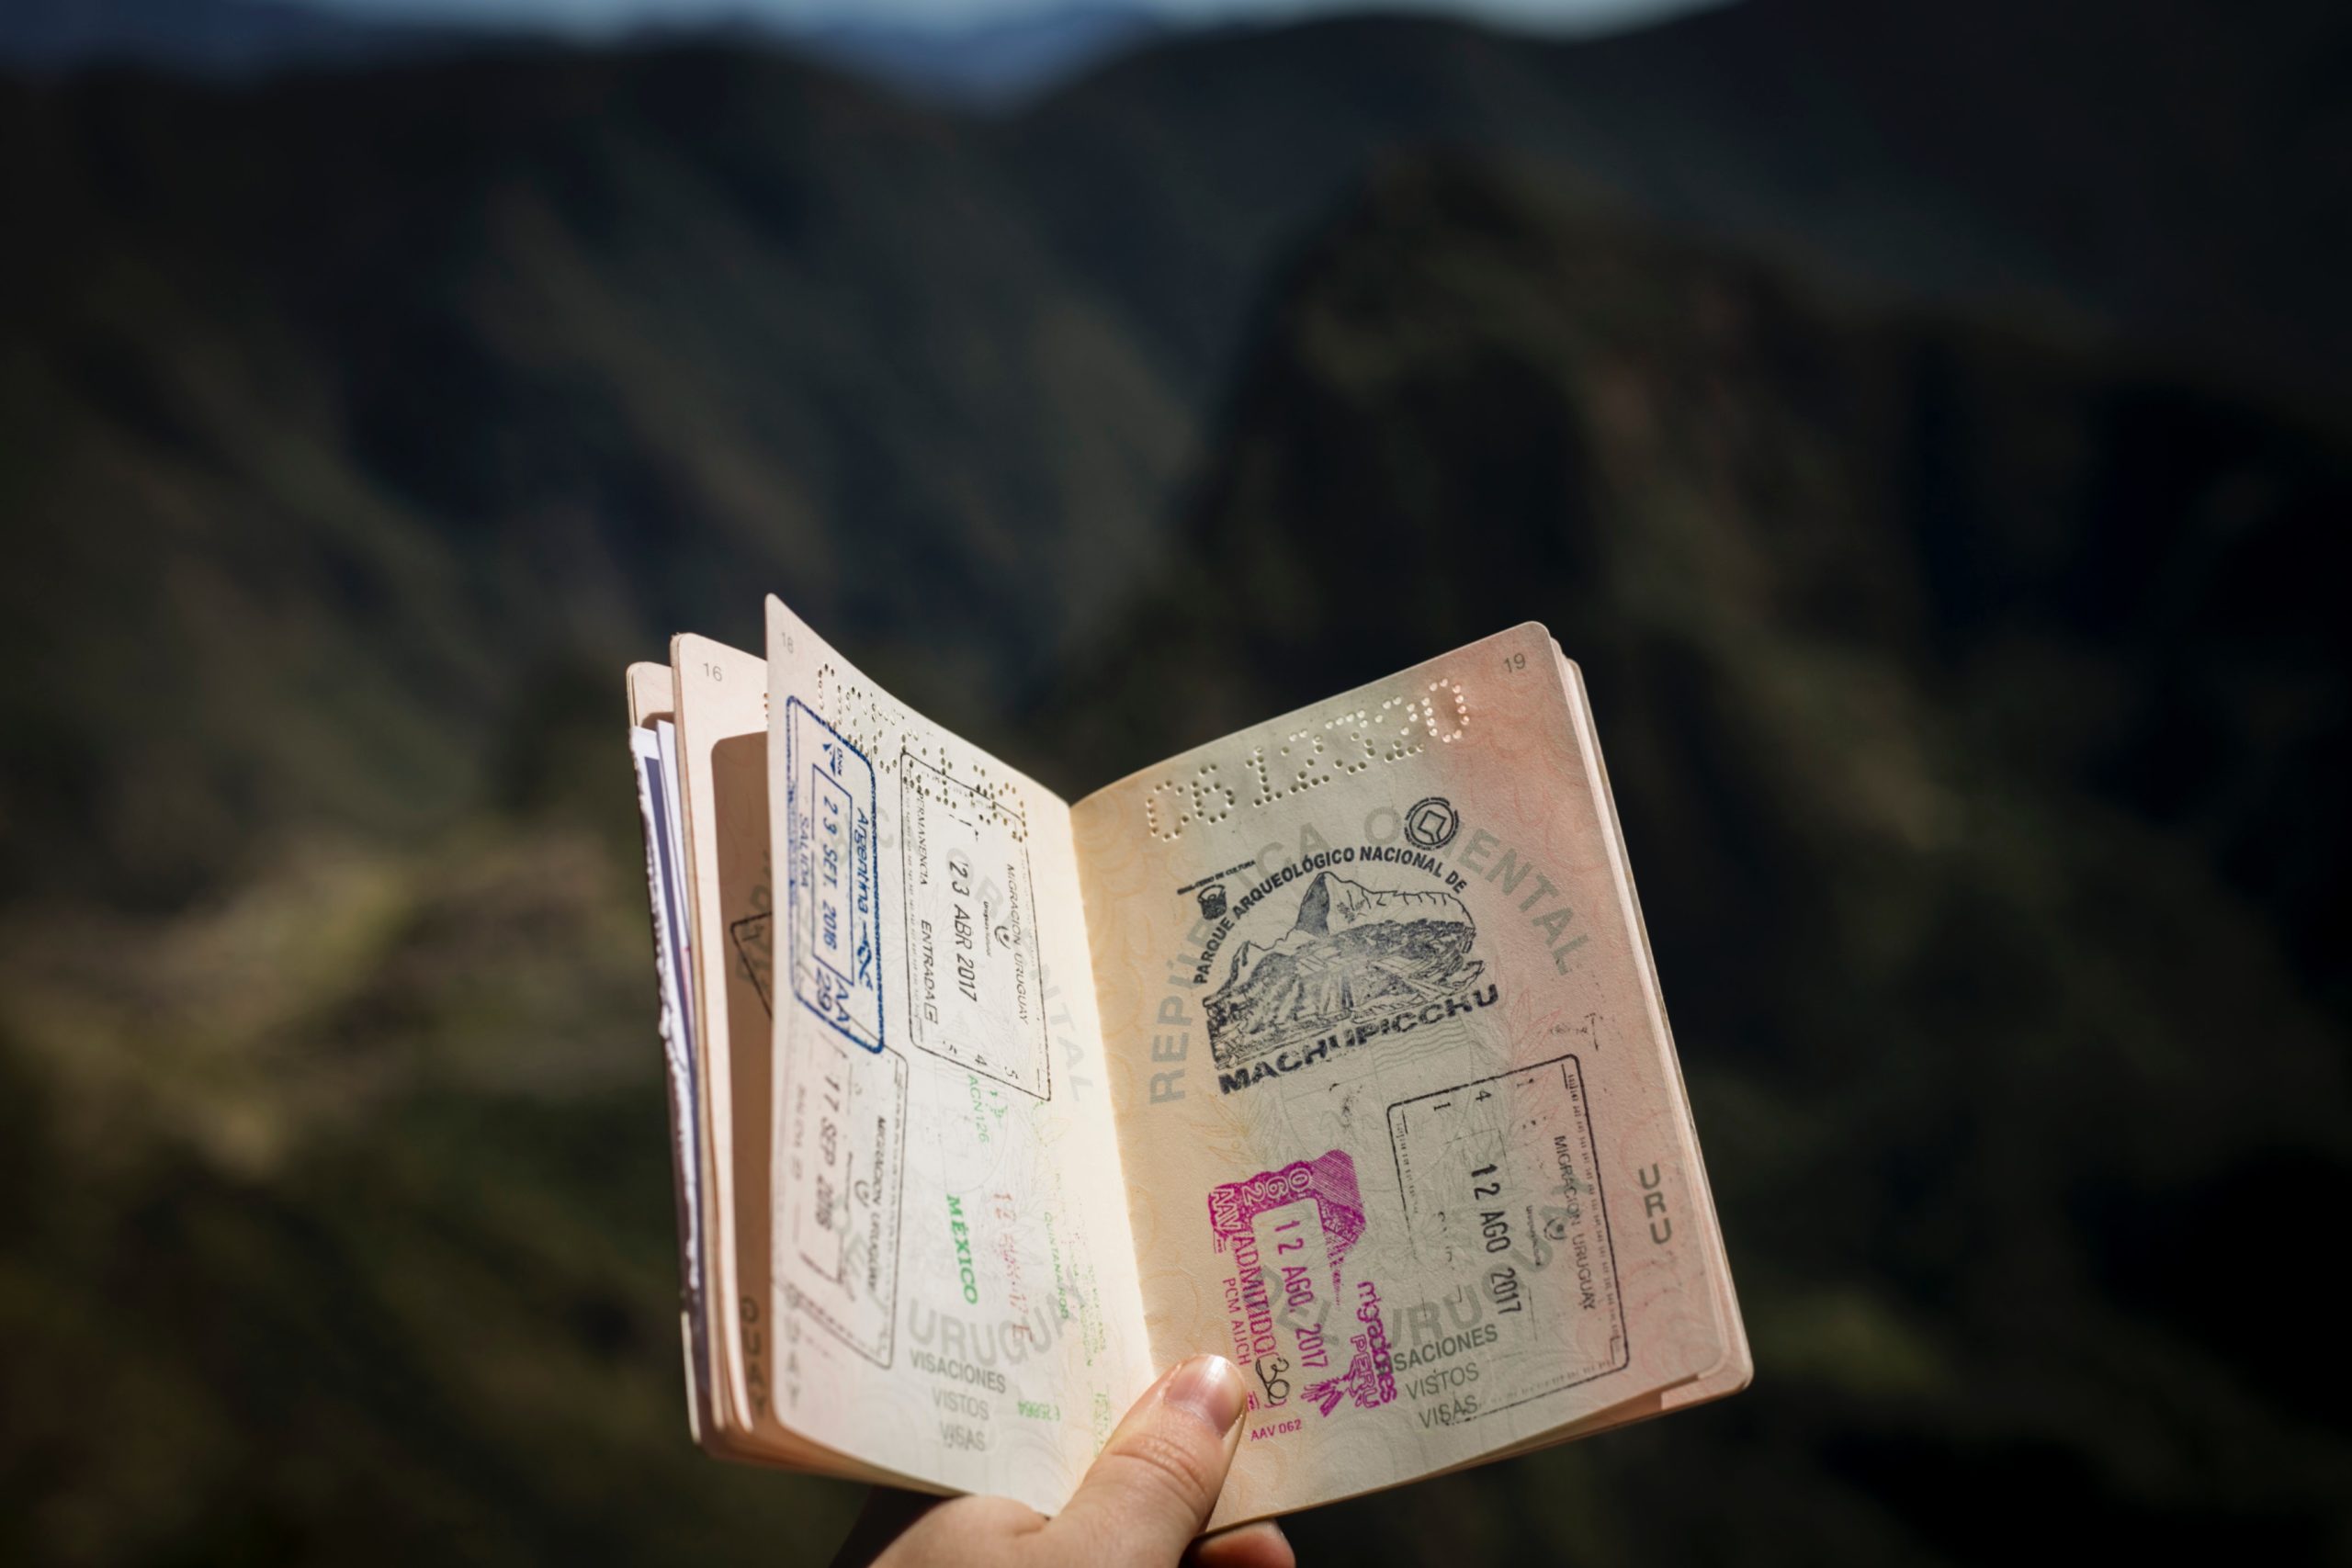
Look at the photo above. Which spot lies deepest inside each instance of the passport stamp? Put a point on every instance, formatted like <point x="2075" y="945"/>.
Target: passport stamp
<point x="974" y="992"/>
<point x="845" y="1132"/>
<point x="1501" y="1187"/>
<point x="1298" y="1323"/>
<point x="845" y="1094"/>
<point x="834" y="878"/>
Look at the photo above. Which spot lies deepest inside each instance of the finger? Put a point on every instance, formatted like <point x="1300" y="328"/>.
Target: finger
<point x="1152" y="1487"/>
<point x="1261" y="1545"/>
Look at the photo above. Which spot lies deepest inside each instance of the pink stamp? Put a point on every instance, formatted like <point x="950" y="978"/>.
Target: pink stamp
<point x="1293" y="1313"/>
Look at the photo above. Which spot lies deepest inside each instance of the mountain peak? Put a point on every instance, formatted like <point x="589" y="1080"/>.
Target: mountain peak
<point x="1333" y="904"/>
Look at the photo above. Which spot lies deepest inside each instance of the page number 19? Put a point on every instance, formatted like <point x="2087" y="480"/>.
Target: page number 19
<point x="1514" y="662"/>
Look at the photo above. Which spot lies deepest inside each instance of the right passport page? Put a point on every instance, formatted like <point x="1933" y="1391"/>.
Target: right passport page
<point x="1397" y="1106"/>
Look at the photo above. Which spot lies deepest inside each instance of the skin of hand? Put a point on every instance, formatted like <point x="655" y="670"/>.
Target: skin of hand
<point x="1141" y="1506"/>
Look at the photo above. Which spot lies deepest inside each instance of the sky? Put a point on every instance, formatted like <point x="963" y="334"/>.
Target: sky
<point x="597" y="16"/>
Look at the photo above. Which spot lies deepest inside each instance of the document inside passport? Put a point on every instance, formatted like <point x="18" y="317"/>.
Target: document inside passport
<point x="1334" y="1047"/>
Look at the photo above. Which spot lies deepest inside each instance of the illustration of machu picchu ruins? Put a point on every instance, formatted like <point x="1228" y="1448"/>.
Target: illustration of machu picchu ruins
<point x="1353" y="956"/>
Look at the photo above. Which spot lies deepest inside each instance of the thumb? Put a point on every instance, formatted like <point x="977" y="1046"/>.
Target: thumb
<point x="1153" y="1485"/>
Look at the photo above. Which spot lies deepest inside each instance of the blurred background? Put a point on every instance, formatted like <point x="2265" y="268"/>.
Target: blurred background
<point x="1929" y="423"/>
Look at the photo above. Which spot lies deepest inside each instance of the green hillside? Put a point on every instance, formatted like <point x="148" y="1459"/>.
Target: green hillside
<point x="374" y="423"/>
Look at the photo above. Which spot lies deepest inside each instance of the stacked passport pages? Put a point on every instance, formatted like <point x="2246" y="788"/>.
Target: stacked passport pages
<point x="1334" y="1047"/>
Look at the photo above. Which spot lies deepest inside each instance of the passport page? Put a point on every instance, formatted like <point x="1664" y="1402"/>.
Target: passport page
<point x="953" y="1289"/>
<point x="1394" y="1087"/>
<point x="721" y="710"/>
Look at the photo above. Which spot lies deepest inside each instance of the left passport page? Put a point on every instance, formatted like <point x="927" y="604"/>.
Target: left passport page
<point x="721" y="783"/>
<point x="954" y="1284"/>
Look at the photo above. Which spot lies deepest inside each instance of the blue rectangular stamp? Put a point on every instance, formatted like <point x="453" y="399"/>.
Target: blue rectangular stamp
<point x="833" y="878"/>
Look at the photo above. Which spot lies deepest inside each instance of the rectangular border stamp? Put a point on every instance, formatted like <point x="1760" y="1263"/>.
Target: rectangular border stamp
<point x="1020" y="1055"/>
<point x="834" y="875"/>
<point x="845" y="1135"/>
<point x="1508" y="1112"/>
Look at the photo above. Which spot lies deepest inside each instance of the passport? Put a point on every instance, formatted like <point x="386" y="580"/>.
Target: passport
<point x="1335" y="1047"/>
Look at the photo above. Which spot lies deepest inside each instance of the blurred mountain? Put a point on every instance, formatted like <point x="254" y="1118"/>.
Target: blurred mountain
<point x="989" y="63"/>
<point x="2166" y="173"/>
<point x="208" y="37"/>
<point x="985" y="63"/>
<point x="1979" y="729"/>
<point x="1941" y="505"/>
<point x="373" y="401"/>
<point x="378" y="400"/>
<point x="2119" y="572"/>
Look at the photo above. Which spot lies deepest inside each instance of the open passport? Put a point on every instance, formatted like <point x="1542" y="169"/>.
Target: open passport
<point x="1334" y="1047"/>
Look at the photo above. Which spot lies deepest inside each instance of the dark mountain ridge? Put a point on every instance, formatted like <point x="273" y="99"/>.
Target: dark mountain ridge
<point x="2117" y="572"/>
<point x="2160" y="175"/>
<point x="989" y="62"/>
<point x="1977" y="757"/>
<point x="384" y="399"/>
<point x="418" y="404"/>
<point x="219" y="38"/>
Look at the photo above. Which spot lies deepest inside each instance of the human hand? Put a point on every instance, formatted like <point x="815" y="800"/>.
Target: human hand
<point x="1141" y="1506"/>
